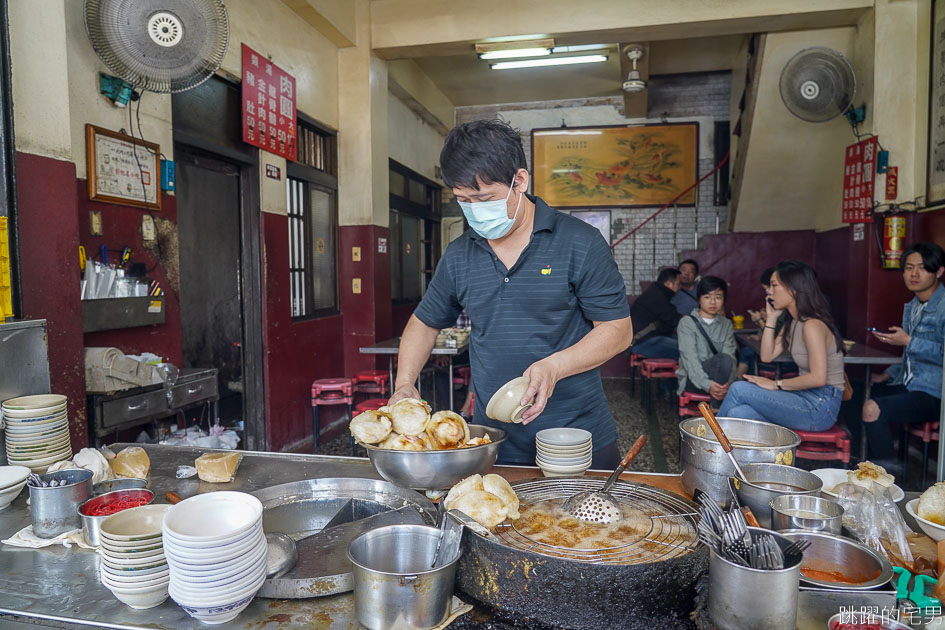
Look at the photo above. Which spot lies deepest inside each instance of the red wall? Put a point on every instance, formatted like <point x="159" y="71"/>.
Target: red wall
<point x="367" y="316"/>
<point x="49" y="274"/>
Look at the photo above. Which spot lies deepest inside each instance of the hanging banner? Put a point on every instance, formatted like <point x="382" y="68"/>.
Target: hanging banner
<point x="892" y="183"/>
<point x="859" y="171"/>
<point x="268" y="105"/>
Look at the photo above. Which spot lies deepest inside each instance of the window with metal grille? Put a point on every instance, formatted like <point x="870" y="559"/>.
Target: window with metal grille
<point x="311" y="188"/>
<point x="414" y="232"/>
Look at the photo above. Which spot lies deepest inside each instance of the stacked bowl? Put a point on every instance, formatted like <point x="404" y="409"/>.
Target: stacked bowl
<point x="134" y="567"/>
<point x="37" y="431"/>
<point x="12" y="481"/>
<point x="563" y="452"/>
<point x="216" y="549"/>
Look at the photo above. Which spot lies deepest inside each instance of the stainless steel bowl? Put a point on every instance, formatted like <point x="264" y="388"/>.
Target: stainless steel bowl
<point x="437" y="470"/>
<point x="804" y="511"/>
<point x="768" y="481"/>
<point x="706" y="466"/>
<point x="91" y="525"/>
<point x="864" y="567"/>
<point x="120" y="483"/>
<point x="865" y="617"/>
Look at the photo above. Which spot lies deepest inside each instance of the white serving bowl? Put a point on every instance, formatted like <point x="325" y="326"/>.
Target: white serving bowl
<point x="140" y="598"/>
<point x="136" y="581"/>
<point x="134" y="546"/>
<point x="33" y="463"/>
<point x="30" y="418"/>
<point x="186" y="557"/>
<point x="143" y="564"/>
<point x="223" y="581"/>
<point x="214" y="517"/>
<point x="215" y="611"/>
<point x="565" y="461"/>
<point x="7" y="495"/>
<point x="11" y="476"/>
<point x="34" y="402"/>
<point x="117" y="556"/>
<point x="136" y="524"/>
<point x="834" y="476"/>
<point x="564" y="451"/>
<point x="932" y="530"/>
<point x="218" y="569"/>
<point x="46" y="423"/>
<point x="563" y="436"/>
<point x="563" y="470"/>
<point x="135" y="576"/>
<point x="547" y="473"/>
<point x="220" y="589"/>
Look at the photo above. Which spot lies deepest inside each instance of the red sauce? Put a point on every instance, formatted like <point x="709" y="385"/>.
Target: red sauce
<point x="117" y="505"/>
<point x="835" y="576"/>
<point x="858" y="626"/>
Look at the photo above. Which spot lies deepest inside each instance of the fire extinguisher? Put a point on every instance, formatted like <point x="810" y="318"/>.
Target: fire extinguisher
<point x="892" y="242"/>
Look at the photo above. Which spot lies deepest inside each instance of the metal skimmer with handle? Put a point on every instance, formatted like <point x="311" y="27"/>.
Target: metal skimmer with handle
<point x="599" y="506"/>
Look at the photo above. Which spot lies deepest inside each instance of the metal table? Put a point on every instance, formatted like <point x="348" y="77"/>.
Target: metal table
<point x="391" y="347"/>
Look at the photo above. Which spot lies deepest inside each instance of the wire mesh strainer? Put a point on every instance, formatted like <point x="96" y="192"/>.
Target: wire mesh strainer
<point x="599" y="506"/>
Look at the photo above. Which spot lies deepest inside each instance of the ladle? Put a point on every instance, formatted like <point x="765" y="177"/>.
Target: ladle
<point x="720" y="435"/>
<point x="600" y="506"/>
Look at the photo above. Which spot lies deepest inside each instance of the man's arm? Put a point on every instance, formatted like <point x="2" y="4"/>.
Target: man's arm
<point x="603" y="342"/>
<point x="416" y="344"/>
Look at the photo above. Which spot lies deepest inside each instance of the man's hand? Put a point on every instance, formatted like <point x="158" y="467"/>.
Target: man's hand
<point x="403" y="391"/>
<point x="718" y="391"/>
<point x="896" y="336"/>
<point x="882" y="377"/>
<point x="762" y="382"/>
<point x="757" y="317"/>
<point x="542" y="376"/>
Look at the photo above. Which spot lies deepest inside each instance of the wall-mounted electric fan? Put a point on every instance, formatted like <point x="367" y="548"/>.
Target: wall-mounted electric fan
<point x="817" y="84"/>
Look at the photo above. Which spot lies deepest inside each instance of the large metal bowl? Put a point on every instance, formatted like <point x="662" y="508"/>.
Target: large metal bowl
<point x="802" y="511"/>
<point x="767" y="481"/>
<point x="437" y="470"/>
<point x="866" y="568"/>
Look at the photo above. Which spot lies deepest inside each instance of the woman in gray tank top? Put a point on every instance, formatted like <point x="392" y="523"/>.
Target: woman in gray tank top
<point x="809" y="401"/>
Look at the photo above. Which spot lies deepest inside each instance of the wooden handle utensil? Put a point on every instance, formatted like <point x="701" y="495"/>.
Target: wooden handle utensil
<point x="720" y="435"/>
<point x="172" y="497"/>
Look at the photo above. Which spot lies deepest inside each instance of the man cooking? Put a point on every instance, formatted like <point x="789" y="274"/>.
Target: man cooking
<point x="542" y="290"/>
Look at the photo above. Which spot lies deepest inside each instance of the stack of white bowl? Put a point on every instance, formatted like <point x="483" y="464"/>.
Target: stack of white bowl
<point x="37" y="431"/>
<point x="216" y="549"/>
<point x="12" y="481"/>
<point x="134" y="567"/>
<point x="563" y="452"/>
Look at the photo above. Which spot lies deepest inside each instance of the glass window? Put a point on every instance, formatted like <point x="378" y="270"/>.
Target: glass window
<point x="414" y="232"/>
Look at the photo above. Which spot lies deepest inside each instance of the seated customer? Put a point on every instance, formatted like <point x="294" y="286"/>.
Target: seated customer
<point x="809" y="401"/>
<point x="686" y="299"/>
<point x="911" y="392"/>
<point x="707" y="343"/>
<point x="654" y="318"/>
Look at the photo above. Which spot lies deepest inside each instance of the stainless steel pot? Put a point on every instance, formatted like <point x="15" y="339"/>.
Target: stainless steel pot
<point x="768" y="481"/>
<point x="53" y="509"/>
<point x="706" y="466"/>
<point x="741" y="597"/>
<point x="394" y="586"/>
<point x="865" y="567"/>
<point x="801" y="511"/>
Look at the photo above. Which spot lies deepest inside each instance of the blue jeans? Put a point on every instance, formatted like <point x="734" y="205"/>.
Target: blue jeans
<point x="806" y="410"/>
<point x="658" y="347"/>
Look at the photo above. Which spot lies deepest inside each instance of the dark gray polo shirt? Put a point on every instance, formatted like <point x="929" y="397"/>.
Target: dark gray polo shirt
<point x="565" y="279"/>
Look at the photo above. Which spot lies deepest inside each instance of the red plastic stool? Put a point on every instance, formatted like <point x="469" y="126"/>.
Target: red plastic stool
<point x="461" y="376"/>
<point x="829" y="445"/>
<point x="927" y="432"/>
<point x="636" y="361"/>
<point x="655" y="369"/>
<point x="371" y="404"/>
<point x="331" y="391"/>
<point x="371" y="382"/>
<point x="689" y="403"/>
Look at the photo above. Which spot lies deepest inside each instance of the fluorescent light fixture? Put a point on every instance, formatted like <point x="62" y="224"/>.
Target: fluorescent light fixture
<point x="514" y="53"/>
<point x="579" y="48"/>
<point x="548" y="61"/>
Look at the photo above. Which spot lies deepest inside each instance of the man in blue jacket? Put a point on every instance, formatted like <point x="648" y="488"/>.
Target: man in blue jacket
<point x="911" y="392"/>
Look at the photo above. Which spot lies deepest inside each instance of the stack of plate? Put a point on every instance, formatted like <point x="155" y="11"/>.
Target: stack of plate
<point x="216" y="549"/>
<point x="37" y="431"/>
<point x="12" y="481"/>
<point x="563" y="452"/>
<point x="134" y="567"/>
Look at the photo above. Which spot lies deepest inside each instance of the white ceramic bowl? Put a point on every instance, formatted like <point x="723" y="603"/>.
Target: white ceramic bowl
<point x="577" y="453"/>
<point x="42" y="461"/>
<point x="221" y="543"/>
<point x="219" y="569"/>
<point x="135" y="576"/>
<point x="36" y="401"/>
<point x="563" y="436"/>
<point x="223" y="588"/>
<point x="547" y="473"/>
<point x="564" y="451"/>
<point x="215" y="611"/>
<point x="36" y="425"/>
<point x="7" y="495"/>
<point x="215" y="555"/>
<point x="131" y="580"/>
<point x="144" y="564"/>
<point x="32" y="418"/>
<point x="141" y="598"/>
<point x="506" y="404"/>
<point x="932" y="530"/>
<point x="834" y="476"/>
<point x="564" y="470"/>
<point x="134" y="546"/>
<point x="136" y="524"/>
<point x="11" y="476"/>
<point x="117" y="556"/>
<point x="223" y="581"/>
<point x="571" y="462"/>
<point x="212" y="517"/>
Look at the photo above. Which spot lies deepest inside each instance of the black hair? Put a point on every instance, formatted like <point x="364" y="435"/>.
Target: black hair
<point x="487" y="151"/>
<point x="690" y="261"/>
<point x="708" y="284"/>
<point x="667" y="275"/>
<point x="766" y="276"/>
<point x="933" y="257"/>
<point x="801" y="279"/>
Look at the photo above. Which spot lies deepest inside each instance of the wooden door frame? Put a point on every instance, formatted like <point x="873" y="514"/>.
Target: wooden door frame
<point x="254" y="395"/>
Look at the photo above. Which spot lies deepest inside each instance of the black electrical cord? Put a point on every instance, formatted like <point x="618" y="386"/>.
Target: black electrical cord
<point x="144" y="190"/>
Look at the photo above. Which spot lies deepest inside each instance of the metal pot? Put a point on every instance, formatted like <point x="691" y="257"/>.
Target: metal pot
<point x="706" y="466"/>
<point x="394" y="586"/>
<point x="742" y="597"/>
<point x="53" y="509"/>
<point x="91" y="525"/>
<point x="851" y="558"/>
<point x="769" y="481"/>
<point x="801" y="511"/>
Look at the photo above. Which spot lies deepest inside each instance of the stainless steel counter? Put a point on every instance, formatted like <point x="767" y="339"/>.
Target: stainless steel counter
<point x="59" y="587"/>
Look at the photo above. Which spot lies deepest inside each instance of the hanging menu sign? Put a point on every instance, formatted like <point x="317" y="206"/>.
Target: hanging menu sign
<point x="268" y="105"/>
<point x="859" y="169"/>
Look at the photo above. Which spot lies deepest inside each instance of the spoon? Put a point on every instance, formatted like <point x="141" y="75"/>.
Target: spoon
<point x="720" y="435"/>
<point x="600" y="506"/>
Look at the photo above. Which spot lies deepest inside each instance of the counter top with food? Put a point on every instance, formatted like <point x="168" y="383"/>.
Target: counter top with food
<point x="61" y="587"/>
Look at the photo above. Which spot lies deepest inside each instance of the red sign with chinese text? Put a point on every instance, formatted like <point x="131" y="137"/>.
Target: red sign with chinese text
<point x="859" y="173"/>
<point x="268" y="105"/>
<point x="892" y="183"/>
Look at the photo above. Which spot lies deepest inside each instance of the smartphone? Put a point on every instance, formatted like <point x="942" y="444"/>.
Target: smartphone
<point x="770" y="302"/>
<point x="871" y="329"/>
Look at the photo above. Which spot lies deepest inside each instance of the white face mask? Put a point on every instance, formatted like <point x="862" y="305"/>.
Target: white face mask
<point x="490" y="219"/>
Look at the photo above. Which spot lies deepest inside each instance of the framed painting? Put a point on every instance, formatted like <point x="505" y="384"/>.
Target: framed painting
<point x="935" y="184"/>
<point x="587" y="167"/>
<point x="122" y="169"/>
